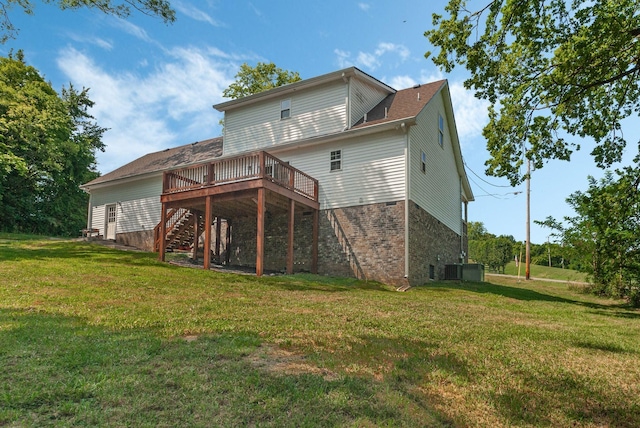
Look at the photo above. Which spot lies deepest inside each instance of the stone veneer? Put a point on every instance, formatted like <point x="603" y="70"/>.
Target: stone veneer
<point x="142" y="239"/>
<point x="431" y="243"/>
<point x="365" y="241"/>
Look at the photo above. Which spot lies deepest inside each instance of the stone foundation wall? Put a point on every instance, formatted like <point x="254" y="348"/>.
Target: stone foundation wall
<point x="142" y="239"/>
<point x="431" y="243"/>
<point x="243" y="242"/>
<point x="366" y="242"/>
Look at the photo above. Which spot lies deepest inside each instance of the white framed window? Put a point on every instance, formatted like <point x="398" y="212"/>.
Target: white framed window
<point x="440" y="130"/>
<point x="336" y="160"/>
<point x="285" y="109"/>
<point x="423" y="158"/>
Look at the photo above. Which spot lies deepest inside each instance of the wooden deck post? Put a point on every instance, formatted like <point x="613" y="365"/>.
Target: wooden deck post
<point x="163" y="233"/>
<point x="260" y="233"/>
<point x="292" y="215"/>
<point x="227" y="254"/>
<point x="196" y="234"/>
<point x="218" y="235"/>
<point x="314" y="245"/>
<point x="207" y="231"/>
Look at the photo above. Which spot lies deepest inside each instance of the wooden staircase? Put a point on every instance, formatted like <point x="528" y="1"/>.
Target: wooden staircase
<point x="180" y="227"/>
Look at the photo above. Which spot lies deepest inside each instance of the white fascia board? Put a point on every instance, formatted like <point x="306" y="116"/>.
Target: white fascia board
<point x="124" y="180"/>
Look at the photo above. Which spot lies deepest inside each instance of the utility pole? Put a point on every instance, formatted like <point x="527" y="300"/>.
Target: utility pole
<point x="528" y="246"/>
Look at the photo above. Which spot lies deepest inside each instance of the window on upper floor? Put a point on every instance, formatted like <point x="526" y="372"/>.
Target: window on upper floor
<point x="423" y="159"/>
<point x="285" y="109"/>
<point x="336" y="160"/>
<point x="440" y="130"/>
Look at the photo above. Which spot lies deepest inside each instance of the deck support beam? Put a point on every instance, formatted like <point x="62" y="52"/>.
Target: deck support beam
<point x="314" y="244"/>
<point x="291" y="224"/>
<point x="163" y="233"/>
<point x="218" y="235"/>
<point x="227" y="254"/>
<point x="260" y="232"/>
<point x="196" y="234"/>
<point x="207" y="231"/>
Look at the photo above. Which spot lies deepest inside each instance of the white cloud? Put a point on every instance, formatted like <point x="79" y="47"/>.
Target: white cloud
<point x="371" y="60"/>
<point x="364" y="6"/>
<point x="145" y="113"/>
<point x="195" y="13"/>
<point x="471" y="113"/>
<point x="401" y="50"/>
<point x="343" y="58"/>
<point x="132" y="29"/>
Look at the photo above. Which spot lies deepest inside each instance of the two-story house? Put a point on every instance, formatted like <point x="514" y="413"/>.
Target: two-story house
<point x="339" y="174"/>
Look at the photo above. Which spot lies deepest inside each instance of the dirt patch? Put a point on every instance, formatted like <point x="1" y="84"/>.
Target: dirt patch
<point x="281" y="362"/>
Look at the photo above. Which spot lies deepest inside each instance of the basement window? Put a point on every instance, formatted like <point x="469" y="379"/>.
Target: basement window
<point x="336" y="160"/>
<point x="285" y="109"/>
<point x="440" y="130"/>
<point x="423" y="159"/>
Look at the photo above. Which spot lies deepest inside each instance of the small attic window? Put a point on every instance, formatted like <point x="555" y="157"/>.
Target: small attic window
<point x="285" y="109"/>
<point x="423" y="158"/>
<point x="440" y="130"/>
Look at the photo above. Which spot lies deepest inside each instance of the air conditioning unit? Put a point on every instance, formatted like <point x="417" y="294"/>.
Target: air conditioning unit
<point x="453" y="272"/>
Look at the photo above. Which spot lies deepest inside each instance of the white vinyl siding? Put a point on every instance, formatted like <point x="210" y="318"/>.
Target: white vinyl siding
<point x="373" y="170"/>
<point x="319" y="111"/>
<point x="137" y="205"/>
<point x="438" y="189"/>
<point x="363" y="98"/>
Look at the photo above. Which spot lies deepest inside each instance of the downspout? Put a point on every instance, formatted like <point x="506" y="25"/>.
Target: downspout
<point x="461" y="225"/>
<point x="407" y="188"/>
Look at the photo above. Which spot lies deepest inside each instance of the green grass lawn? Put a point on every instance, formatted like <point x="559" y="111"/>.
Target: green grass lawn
<point x="546" y="272"/>
<point x="92" y="336"/>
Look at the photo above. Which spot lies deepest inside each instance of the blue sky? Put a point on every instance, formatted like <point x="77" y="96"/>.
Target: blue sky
<point x="154" y="85"/>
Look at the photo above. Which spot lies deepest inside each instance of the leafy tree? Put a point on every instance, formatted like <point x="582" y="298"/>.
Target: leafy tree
<point x="546" y="66"/>
<point x="494" y="252"/>
<point x="47" y="149"/>
<point x="606" y="232"/>
<point x="476" y="231"/>
<point x="262" y="77"/>
<point x="122" y="9"/>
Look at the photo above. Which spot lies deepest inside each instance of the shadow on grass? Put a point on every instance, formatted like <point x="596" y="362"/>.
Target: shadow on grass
<point x="61" y="371"/>
<point x="527" y="295"/>
<point x="540" y="395"/>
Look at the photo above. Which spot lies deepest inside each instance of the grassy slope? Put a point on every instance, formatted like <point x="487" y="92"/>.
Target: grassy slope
<point x="546" y="272"/>
<point x="93" y="336"/>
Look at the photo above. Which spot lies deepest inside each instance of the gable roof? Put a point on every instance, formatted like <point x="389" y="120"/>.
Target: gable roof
<point x="305" y="84"/>
<point x="188" y="154"/>
<point x="404" y="104"/>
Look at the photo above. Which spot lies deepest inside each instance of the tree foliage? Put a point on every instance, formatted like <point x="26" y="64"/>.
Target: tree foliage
<point x="47" y="149"/>
<point x="492" y="251"/>
<point x="546" y="66"/>
<point x="264" y="76"/>
<point x="122" y="9"/>
<point x="606" y="232"/>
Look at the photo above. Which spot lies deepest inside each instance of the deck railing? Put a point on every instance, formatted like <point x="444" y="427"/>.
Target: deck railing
<point x="256" y="165"/>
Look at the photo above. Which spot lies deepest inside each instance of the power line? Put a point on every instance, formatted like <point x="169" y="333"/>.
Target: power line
<point x="494" y="195"/>
<point x="490" y="184"/>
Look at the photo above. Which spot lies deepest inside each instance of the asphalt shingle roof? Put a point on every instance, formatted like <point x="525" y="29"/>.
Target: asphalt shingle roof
<point x="406" y="103"/>
<point x="200" y="151"/>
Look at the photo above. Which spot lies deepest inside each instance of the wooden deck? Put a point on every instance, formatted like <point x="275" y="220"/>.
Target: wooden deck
<point x="243" y="185"/>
